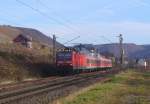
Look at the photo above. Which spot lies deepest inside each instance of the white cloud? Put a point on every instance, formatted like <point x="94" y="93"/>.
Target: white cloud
<point x="139" y="3"/>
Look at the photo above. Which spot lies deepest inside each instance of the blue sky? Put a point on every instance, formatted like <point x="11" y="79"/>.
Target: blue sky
<point x="89" y="19"/>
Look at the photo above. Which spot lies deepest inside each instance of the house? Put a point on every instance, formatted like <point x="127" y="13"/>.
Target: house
<point x="23" y="40"/>
<point x="142" y="63"/>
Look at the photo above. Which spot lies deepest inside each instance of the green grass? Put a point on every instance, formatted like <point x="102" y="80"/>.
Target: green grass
<point x="130" y="87"/>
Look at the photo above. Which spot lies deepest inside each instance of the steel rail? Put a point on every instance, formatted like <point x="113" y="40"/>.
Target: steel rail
<point x="50" y="86"/>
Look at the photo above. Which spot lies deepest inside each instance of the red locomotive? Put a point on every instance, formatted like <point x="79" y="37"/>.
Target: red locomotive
<point x="79" y="59"/>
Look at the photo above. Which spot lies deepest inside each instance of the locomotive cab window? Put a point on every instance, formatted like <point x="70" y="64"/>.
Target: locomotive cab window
<point x="67" y="55"/>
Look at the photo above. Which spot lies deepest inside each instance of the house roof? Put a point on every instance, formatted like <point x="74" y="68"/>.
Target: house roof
<point x="21" y="36"/>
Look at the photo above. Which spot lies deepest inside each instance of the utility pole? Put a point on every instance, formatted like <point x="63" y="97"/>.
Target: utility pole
<point x="54" y="49"/>
<point x="121" y="49"/>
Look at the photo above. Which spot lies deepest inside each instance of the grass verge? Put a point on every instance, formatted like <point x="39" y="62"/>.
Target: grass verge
<point x="129" y="87"/>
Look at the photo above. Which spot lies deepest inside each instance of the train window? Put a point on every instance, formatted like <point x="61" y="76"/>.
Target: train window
<point x="88" y="61"/>
<point x="91" y="61"/>
<point x="64" y="55"/>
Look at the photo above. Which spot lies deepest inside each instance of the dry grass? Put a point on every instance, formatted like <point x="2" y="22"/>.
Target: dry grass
<point x="130" y="87"/>
<point x="19" y="49"/>
<point x="18" y="63"/>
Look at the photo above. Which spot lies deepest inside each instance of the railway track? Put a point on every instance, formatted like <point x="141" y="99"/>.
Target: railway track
<point x="18" y="85"/>
<point x="45" y="86"/>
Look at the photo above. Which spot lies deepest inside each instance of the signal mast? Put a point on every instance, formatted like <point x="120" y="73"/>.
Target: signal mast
<point x="121" y="49"/>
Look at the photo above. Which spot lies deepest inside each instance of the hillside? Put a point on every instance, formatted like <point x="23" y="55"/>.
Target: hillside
<point x="131" y="50"/>
<point x="8" y="33"/>
<point x="18" y="63"/>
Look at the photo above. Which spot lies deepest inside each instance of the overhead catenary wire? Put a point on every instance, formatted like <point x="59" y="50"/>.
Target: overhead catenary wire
<point x="104" y="39"/>
<point x="44" y="5"/>
<point x="107" y="39"/>
<point x="47" y="16"/>
<point x="53" y="19"/>
<point x="72" y="40"/>
<point x="65" y="20"/>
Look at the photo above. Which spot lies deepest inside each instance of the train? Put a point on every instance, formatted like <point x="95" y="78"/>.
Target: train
<point x="79" y="59"/>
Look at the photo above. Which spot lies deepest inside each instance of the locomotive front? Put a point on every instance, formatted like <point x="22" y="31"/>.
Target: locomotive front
<point x="64" y="58"/>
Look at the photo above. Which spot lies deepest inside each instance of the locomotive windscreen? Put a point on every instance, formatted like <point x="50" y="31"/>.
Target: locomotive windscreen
<point x="64" y="56"/>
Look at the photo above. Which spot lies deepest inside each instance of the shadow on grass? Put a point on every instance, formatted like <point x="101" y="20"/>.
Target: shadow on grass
<point x="138" y="82"/>
<point x="146" y="75"/>
<point x="139" y="79"/>
<point x="43" y="69"/>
